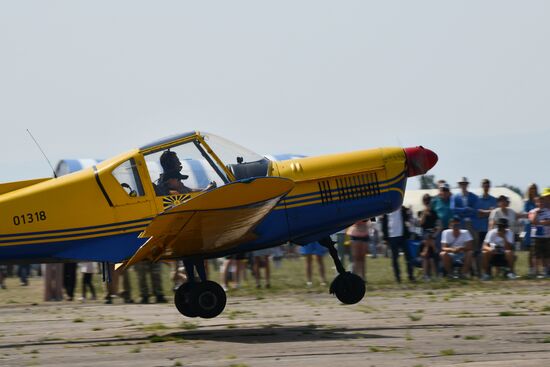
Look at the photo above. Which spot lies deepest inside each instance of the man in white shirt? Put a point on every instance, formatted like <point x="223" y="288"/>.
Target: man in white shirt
<point x="456" y="247"/>
<point x="396" y="234"/>
<point x="497" y="248"/>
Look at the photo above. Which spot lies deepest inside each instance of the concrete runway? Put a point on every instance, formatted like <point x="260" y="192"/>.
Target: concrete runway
<point x="394" y="328"/>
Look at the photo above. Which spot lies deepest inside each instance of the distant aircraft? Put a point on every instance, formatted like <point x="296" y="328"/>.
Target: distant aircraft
<point x="139" y="206"/>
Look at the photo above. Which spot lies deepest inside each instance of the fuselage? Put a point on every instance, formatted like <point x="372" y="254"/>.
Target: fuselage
<point x="89" y="215"/>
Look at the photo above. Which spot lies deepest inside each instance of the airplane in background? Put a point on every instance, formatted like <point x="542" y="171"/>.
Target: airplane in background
<point x="122" y="210"/>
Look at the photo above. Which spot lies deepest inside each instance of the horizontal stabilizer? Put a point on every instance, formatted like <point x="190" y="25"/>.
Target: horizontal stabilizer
<point x="12" y="186"/>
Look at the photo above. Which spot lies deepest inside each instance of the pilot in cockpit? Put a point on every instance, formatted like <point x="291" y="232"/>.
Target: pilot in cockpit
<point x="170" y="181"/>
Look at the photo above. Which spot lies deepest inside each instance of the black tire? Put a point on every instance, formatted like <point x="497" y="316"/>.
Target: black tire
<point x="208" y="299"/>
<point x="348" y="288"/>
<point x="182" y="300"/>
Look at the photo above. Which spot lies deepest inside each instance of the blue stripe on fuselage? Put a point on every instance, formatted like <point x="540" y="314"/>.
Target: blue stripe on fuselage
<point x="115" y="248"/>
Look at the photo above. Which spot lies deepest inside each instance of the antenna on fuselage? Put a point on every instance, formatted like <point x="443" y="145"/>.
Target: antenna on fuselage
<point x="44" y="154"/>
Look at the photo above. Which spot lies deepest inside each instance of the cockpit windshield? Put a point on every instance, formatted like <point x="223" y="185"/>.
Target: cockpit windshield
<point x="241" y="162"/>
<point x="229" y="152"/>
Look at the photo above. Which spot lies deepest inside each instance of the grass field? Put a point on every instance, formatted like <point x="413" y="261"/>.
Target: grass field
<point x="288" y="279"/>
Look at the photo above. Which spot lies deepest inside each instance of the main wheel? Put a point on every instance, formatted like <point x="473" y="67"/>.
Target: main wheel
<point x="348" y="288"/>
<point x="182" y="299"/>
<point x="208" y="299"/>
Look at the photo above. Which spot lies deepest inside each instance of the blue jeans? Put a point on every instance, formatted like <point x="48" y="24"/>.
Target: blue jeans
<point x="396" y="244"/>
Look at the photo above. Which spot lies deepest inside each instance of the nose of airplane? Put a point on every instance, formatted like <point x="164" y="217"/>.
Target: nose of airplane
<point x="419" y="160"/>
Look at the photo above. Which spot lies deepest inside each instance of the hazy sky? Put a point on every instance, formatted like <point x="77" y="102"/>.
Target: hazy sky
<point x="468" y="79"/>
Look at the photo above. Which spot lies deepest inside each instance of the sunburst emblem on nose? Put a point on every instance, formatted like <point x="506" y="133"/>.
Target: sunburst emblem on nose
<point x="174" y="200"/>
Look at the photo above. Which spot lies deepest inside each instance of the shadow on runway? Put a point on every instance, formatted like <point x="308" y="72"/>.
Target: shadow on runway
<point x="278" y="334"/>
<point x="245" y="335"/>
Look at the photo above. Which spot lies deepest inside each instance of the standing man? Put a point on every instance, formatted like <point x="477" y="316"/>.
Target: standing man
<point x="456" y="248"/>
<point x="154" y="270"/>
<point x="540" y="232"/>
<point x="463" y="204"/>
<point x="3" y="274"/>
<point x="428" y="217"/>
<point x="441" y="205"/>
<point x="69" y="279"/>
<point x="396" y="233"/>
<point x="485" y="204"/>
<point x="503" y="211"/>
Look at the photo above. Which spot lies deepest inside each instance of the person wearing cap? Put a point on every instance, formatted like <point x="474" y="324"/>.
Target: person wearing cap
<point x="540" y="232"/>
<point x="497" y="249"/>
<point x="170" y="181"/>
<point x="456" y="248"/>
<point x="485" y="204"/>
<point x="531" y="195"/>
<point x="503" y="211"/>
<point x="441" y="204"/>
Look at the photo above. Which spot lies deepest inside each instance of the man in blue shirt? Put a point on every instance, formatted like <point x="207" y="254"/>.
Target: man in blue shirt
<point x="463" y="204"/>
<point x="485" y="203"/>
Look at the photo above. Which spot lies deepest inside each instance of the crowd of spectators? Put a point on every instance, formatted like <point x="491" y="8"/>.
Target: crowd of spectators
<point x="464" y="235"/>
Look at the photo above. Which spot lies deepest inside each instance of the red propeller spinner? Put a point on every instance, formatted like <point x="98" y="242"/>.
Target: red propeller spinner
<point x="419" y="160"/>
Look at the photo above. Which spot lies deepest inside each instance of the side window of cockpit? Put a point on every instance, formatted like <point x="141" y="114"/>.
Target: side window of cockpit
<point x="128" y="177"/>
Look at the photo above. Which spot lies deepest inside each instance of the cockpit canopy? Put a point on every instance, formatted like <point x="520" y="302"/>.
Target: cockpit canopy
<point x="205" y="158"/>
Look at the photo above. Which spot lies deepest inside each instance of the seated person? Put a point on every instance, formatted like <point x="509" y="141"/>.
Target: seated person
<point x="170" y="182"/>
<point x="428" y="254"/>
<point x="497" y="248"/>
<point x="456" y="247"/>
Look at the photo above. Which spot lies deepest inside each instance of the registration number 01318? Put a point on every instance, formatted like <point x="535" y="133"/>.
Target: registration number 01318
<point x="28" y="218"/>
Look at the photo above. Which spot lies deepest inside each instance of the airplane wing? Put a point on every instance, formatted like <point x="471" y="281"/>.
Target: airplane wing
<point x="213" y="221"/>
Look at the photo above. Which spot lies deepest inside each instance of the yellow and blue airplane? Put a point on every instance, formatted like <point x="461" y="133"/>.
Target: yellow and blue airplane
<point x="123" y="210"/>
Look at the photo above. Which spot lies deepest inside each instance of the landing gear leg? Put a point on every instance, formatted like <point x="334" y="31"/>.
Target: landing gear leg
<point x="347" y="287"/>
<point x="204" y="299"/>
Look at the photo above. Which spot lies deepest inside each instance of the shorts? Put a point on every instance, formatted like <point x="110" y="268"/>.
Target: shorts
<point x="238" y="256"/>
<point x="431" y="254"/>
<point x="362" y="239"/>
<point x="313" y="248"/>
<point x="498" y="260"/>
<point x="262" y="252"/>
<point x="457" y="259"/>
<point x="542" y="247"/>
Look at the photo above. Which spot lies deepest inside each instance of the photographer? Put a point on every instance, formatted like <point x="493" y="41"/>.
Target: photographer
<point x="497" y="249"/>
